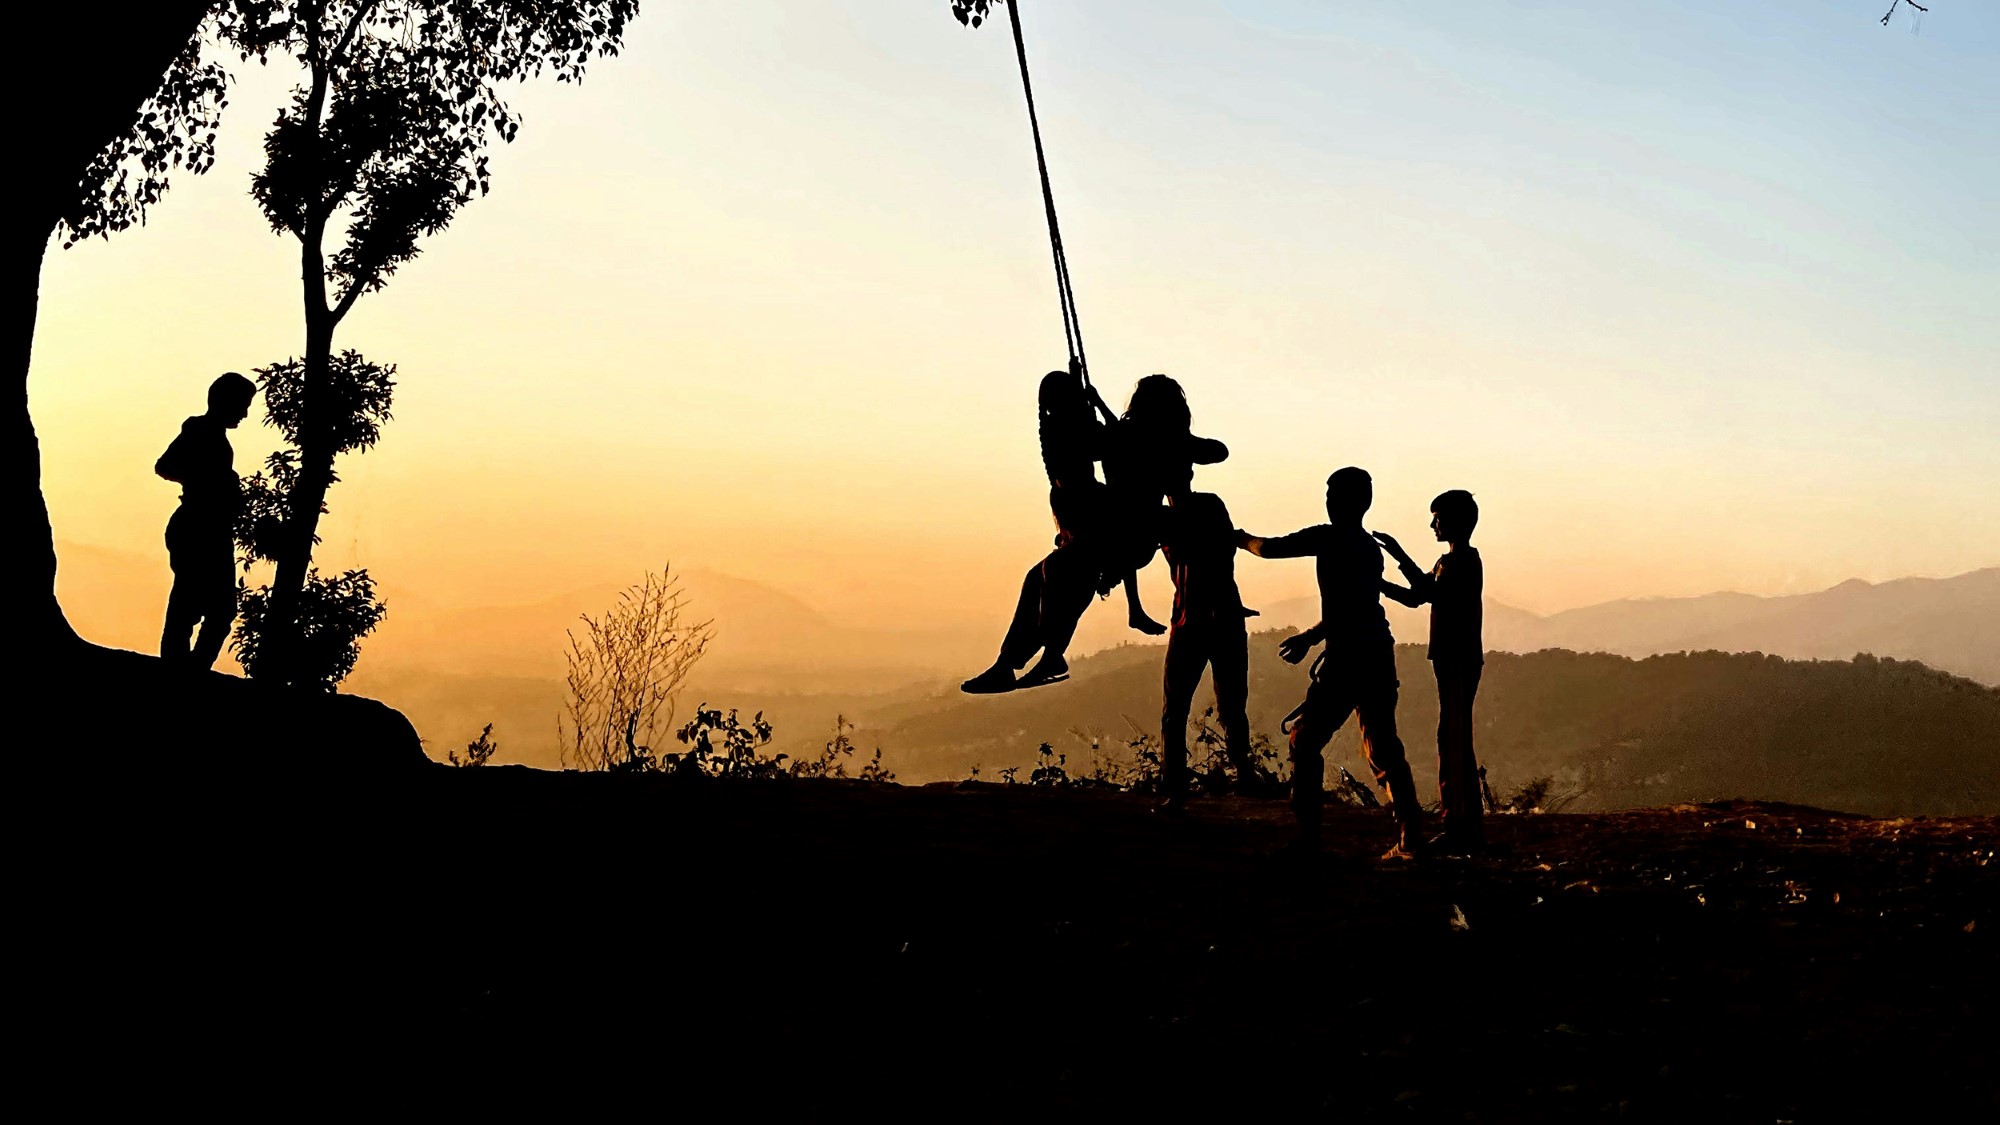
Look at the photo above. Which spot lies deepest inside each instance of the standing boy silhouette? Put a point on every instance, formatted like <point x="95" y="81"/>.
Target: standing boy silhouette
<point x="1454" y="589"/>
<point x="201" y="535"/>
<point x="1356" y="673"/>
<point x="1199" y="540"/>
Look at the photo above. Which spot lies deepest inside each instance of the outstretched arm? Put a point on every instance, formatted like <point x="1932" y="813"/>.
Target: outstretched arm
<point x="1297" y="545"/>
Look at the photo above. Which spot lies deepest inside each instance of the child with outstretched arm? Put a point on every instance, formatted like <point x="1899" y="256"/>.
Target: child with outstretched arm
<point x="1454" y="589"/>
<point x="1356" y="674"/>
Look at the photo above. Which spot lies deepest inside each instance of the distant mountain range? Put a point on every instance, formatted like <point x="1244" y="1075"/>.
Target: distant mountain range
<point x="771" y="640"/>
<point x="453" y="670"/>
<point x="1952" y="624"/>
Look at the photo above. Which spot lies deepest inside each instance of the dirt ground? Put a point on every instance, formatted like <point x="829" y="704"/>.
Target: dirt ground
<point x="504" y="938"/>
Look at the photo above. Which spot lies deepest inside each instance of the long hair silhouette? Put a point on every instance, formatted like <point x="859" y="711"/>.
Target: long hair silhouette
<point x="1158" y="404"/>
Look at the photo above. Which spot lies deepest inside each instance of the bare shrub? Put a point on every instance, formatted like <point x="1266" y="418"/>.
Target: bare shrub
<point x="1540" y="795"/>
<point x="625" y="671"/>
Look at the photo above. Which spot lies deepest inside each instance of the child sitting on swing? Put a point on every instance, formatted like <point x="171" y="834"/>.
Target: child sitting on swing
<point x="1076" y="430"/>
<point x="1150" y="452"/>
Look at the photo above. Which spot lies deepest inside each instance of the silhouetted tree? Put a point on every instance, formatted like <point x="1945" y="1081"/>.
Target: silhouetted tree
<point x="330" y="615"/>
<point x="381" y="144"/>
<point x="97" y="138"/>
<point x="89" y="148"/>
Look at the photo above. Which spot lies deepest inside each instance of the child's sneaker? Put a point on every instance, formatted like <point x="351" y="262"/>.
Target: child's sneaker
<point x="993" y="681"/>
<point x="1047" y="670"/>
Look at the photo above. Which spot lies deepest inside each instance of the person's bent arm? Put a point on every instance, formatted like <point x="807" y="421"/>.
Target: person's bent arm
<point x="1206" y="451"/>
<point x="1405" y="595"/>
<point x="1294" y="648"/>
<point x="1104" y="411"/>
<point x="173" y="464"/>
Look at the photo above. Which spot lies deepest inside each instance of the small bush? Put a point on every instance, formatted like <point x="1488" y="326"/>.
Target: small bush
<point x="721" y="745"/>
<point x="477" y="752"/>
<point x="1049" y="771"/>
<point x="873" y="772"/>
<point x="332" y="615"/>
<point x="1139" y="768"/>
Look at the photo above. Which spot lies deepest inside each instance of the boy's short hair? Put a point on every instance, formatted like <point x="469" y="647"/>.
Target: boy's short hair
<point x="1458" y="506"/>
<point x="231" y="389"/>
<point x="1354" y="486"/>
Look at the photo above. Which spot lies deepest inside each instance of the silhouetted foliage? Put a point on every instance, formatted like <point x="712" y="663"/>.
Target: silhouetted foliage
<point x="623" y="675"/>
<point x="175" y="129"/>
<point x="1138" y="768"/>
<point x="477" y="752"/>
<point x="331" y="617"/>
<point x="353" y="403"/>
<point x="380" y="146"/>
<point x="1049" y="769"/>
<point x="872" y="771"/>
<point x="972" y="13"/>
<point x="832" y="759"/>
<point x="720" y="745"/>
<point x="401" y="99"/>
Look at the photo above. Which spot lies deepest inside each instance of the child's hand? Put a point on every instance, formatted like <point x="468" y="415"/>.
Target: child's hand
<point x="1389" y="544"/>
<point x="1294" y="648"/>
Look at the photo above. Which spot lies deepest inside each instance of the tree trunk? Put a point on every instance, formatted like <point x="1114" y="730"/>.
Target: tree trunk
<point x="76" y="111"/>
<point x="306" y="503"/>
<point x="22" y="510"/>
<point x="315" y="470"/>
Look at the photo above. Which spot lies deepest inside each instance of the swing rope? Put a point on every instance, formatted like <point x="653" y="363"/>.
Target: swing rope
<point x="1072" y="329"/>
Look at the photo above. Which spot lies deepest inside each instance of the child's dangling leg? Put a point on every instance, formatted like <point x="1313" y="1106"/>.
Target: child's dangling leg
<point x="1135" y="613"/>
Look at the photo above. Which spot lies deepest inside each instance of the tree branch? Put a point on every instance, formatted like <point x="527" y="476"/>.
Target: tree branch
<point x="347" y="36"/>
<point x="1892" y="9"/>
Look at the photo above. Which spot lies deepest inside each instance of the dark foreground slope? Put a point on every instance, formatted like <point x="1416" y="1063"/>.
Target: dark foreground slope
<point x="499" y="937"/>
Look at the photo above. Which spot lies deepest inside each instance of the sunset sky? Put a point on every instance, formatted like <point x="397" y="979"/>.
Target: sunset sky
<point x="1692" y="296"/>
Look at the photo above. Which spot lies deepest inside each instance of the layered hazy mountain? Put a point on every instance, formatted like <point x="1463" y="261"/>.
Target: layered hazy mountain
<point x="453" y="669"/>
<point x="1952" y="624"/>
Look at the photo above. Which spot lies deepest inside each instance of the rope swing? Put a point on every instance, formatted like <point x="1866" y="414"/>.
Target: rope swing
<point x="1072" y="329"/>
